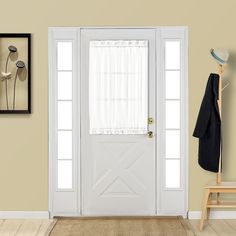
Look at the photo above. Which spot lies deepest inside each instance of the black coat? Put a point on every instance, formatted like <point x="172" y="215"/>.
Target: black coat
<point x="208" y="127"/>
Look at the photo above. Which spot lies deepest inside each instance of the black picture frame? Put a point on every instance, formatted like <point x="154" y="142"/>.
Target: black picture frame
<point x="26" y="36"/>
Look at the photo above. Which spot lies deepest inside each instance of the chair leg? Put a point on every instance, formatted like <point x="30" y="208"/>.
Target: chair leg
<point x="204" y="208"/>
<point x="218" y="197"/>
<point x="208" y="209"/>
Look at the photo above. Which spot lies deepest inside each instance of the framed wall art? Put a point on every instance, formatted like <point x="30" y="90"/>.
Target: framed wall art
<point x="15" y="74"/>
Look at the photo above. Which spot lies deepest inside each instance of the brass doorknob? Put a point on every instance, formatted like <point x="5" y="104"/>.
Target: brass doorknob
<point x="150" y="134"/>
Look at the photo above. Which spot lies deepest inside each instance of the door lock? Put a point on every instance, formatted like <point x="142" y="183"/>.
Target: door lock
<point x="150" y="120"/>
<point x="150" y="134"/>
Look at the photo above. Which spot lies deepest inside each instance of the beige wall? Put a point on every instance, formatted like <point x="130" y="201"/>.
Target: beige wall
<point x="24" y="138"/>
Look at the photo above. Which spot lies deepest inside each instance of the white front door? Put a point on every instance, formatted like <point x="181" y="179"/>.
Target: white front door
<point x="118" y="163"/>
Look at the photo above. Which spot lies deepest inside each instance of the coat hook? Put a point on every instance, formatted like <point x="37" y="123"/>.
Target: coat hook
<point x="225" y="86"/>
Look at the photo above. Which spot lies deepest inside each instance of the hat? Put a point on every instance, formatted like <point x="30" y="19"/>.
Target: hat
<point x="220" y="55"/>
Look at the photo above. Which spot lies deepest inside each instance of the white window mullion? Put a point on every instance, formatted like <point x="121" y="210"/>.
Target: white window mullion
<point x="173" y="151"/>
<point x="64" y="86"/>
<point x="63" y="72"/>
<point x="172" y="68"/>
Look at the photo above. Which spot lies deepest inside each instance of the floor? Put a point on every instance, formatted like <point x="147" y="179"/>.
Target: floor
<point x="165" y="228"/>
<point x="26" y="227"/>
<point x="214" y="228"/>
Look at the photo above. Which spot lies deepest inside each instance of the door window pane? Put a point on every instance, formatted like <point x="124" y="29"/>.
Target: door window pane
<point x="172" y="114"/>
<point x="64" y="115"/>
<point x="64" y="174"/>
<point x="172" y="173"/>
<point x="64" y="85"/>
<point x="172" y="79"/>
<point x="64" y="145"/>
<point x="172" y="143"/>
<point x="118" y="86"/>
<point x="172" y="55"/>
<point x="64" y="55"/>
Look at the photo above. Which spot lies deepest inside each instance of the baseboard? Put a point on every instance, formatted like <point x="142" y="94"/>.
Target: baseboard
<point x="24" y="215"/>
<point x="213" y="215"/>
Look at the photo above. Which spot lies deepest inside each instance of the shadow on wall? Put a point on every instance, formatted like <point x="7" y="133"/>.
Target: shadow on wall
<point x="22" y="74"/>
<point x="14" y="56"/>
<point x="227" y="111"/>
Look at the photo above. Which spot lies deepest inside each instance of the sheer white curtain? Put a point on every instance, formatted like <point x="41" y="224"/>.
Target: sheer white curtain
<point x="118" y="86"/>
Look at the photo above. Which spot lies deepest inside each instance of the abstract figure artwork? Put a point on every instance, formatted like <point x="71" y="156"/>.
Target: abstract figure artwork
<point x="15" y="73"/>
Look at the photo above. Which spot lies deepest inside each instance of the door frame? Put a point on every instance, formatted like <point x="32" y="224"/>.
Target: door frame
<point x="74" y="196"/>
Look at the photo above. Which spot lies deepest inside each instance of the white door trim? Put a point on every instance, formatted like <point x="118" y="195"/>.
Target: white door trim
<point x="181" y="194"/>
<point x="70" y="196"/>
<point x="73" y="33"/>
